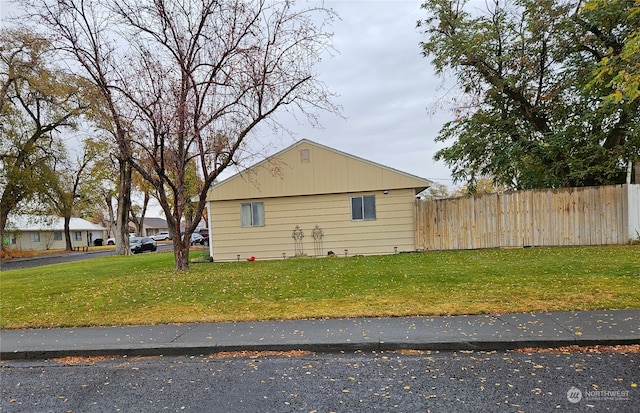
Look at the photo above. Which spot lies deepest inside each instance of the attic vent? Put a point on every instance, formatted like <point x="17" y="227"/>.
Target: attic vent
<point x="304" y="155"/>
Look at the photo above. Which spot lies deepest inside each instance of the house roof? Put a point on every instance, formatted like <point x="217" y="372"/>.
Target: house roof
<point x="49" y="223"/>
<point x="156" y="223"/>
<point x="309" y="168"/>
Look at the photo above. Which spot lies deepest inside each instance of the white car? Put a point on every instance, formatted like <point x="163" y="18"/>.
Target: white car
<point x="112" y="241"/>
<point x="161" y="236"/>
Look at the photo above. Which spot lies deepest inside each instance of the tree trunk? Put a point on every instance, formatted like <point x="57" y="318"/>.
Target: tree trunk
<point x="67" y="234"/>
<point x="7" y="203"/>
<point x="145" y="204"/>
<point x="181" y="252"/>
<point x="139" y="221"/>
<point x="3" y="224"/>
<point x="124" y="204"/>
<point x="112" y="221"/>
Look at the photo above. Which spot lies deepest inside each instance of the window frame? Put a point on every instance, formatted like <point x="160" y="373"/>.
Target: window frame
<point x="256" y="215"/>
<point x="365" y="213"/>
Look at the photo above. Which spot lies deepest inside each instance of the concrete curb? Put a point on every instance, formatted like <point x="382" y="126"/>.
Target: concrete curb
<point x="315" y="348"/>
<point x="481" y="333"/>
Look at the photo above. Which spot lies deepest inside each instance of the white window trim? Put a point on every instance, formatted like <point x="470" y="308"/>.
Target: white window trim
<point x="252" y="224"/>
<point x="364" y="218"/>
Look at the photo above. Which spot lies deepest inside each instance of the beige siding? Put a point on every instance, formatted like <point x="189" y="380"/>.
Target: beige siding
<point x="47" y="240"/>
<point x="394" y="226"/>
<point x="325" y="171"/>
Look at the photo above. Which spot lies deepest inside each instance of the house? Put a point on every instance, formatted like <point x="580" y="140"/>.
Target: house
<point x="312" y="200"/>
<point x="151" y="226"/>
<point x="154" y="225"/>
<point x="33" y="232"/>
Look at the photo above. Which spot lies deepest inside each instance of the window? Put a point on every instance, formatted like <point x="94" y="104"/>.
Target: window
<point x="57" y="236"/>
<point x="252" y="215"/>
<point x="35" y="237"/>
<point x="77" y="235"/>
<point x="363" y="208"/>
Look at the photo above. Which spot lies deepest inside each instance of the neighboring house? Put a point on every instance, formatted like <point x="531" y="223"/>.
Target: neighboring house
<point x="152" y="226"/>
<point x="201" y="225"/>
<point x="31" y="232"/>
<point x="312" y="200"/>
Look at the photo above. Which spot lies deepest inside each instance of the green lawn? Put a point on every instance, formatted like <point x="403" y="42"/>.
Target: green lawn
<point x="144" y="289"/>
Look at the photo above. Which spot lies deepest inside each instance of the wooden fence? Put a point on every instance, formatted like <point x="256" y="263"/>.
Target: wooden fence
<point x="554" y="217"/>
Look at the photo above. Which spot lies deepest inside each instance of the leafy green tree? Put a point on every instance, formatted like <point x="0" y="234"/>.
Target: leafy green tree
<point x="72" y="190"/>
<point x="481" y="186"/>
<point x="101" y="181"/>
<point x="138" y="212"/>
<point x="37" y="103"/>
<point x="618" y="71"/>
<point x="619" y="68"/>
<point x="531" y="116"/>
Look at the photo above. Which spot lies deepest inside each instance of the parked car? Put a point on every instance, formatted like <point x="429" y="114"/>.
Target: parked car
<point x="161" y="236"/>
<point x="142" y="244"/>
<point x="204" y="232"/>
<point x="197" y="239"/>
<point x="112" y="241"/>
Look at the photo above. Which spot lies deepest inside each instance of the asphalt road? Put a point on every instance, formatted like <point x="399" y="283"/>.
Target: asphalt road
<point x="359" y="382"/>
<point x="46" y="259"/>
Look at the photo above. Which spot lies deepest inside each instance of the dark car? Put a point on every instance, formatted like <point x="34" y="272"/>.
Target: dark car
<point x="142" y="244"/>
<point x="204" y="233"/>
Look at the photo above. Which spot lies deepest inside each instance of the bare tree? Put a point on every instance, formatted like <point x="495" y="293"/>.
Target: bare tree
<point x="191" y="81"/>
<point x="82" y="31"/>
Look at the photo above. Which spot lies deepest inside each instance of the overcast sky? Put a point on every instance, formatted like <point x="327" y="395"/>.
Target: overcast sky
<point x="387" y="90"/>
